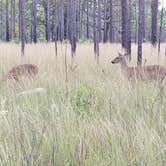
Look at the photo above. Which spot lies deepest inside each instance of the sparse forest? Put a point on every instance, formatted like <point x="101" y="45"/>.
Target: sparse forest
<point x="83" y="82"/>
<point x="100" y="21"/>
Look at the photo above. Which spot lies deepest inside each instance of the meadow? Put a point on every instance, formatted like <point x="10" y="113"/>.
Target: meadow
<point x="87" y="115"/>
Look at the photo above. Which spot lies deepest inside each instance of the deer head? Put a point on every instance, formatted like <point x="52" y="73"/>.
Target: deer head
<point x="120" y="59"/>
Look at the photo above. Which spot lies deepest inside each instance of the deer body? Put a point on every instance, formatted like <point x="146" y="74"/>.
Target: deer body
<point x="145" y="73"/>
<point x="26" y="70"/>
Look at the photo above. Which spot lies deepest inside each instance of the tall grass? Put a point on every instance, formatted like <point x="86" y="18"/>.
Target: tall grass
<point x="103" y="121"/>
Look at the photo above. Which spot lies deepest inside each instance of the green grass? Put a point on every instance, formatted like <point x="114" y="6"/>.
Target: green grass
<point x="102" y="119"/>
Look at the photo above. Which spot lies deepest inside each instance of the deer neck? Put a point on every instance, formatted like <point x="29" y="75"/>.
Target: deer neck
<point x="123" y="65"/>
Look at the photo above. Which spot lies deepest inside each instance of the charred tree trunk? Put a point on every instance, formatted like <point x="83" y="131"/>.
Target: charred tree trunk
<point x="161" y="27"/>
<point x="99" y="20"/>
<point x="7" y="22"/>
<point x="140" y="30"/>
<point x="111" y="33"/>
<point x="95" y="30"/>
<point x="60" y="19"/>
<point x="11" y="20"/>
<point x="34" y="22"/>
<point x="154" y="10"/>
<point x="106" y="22"/>
<point x="47" y="19"/>
<point x="143" y="22"/>
<point x="126" y="25"/>
<point x="87" y="20"/>
<point x="136" y="23"/>
<point x="1" y="20"/>
<point x="72" y="26"/>
<point x="14" y="19"/>
<point x="22" y="24"/>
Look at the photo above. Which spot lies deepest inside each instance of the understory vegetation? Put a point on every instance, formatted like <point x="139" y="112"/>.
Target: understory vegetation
<point x="89" y="116"/>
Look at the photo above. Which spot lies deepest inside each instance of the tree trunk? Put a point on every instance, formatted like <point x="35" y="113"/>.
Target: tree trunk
<point x="99" y="20"/>
<point x="22" y="25"/>
<point x="111" y="34"/>
<point x="1" y="19"/>
<point x="161" y="26"/>
<point x="140" y="30"/>
<point x="126" y="25"/>
<point x="7" y="21"/>
<point x="47" y="19"/>
<point x="34" y="22"/>
<point x="87" y="20"/>
<point x="154" y="10"/>
<point x="72" y="26"/>
<point x="14" y="18"/>
<point x="106" y="23"/>
<point x="95" y="31"/>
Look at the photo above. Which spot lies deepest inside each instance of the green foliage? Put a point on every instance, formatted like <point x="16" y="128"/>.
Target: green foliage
<point x="81" y="99"/>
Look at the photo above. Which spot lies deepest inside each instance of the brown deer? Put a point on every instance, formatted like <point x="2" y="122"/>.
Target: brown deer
<point x="143" y="73"/>
<point x="26" y="70"/>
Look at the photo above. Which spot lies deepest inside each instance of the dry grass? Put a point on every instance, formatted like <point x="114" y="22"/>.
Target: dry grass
<point x="103" y="121"/>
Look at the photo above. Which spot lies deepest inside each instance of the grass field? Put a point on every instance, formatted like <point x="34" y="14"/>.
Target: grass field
<point x="94" y="118"/>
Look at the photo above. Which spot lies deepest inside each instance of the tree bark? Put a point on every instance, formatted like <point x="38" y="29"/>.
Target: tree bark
<point x="161" y="27"/>
<point x="126" y="25"/>
<point x="7" y="22"/>
<point x="140" y="30"/>
<point x="72" y="26"/>
<point x="111" y="33"/>
<point x="34" y="22"/>
<point x="47" y="19"/>
<point x="154" y="10"/>
<point x="22" y="25"/>
<point x="87" y="19"/>
<point x="95" y="31"/>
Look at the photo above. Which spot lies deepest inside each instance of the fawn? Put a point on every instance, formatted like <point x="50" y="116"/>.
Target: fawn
<point x="145" y="73"/>
<point x="26" y="70"/>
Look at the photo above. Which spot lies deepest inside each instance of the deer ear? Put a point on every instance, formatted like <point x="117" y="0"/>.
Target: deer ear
<point x="119" y="54"/>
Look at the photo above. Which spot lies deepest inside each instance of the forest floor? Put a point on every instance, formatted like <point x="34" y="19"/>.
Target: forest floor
<point x="88" y="116"/>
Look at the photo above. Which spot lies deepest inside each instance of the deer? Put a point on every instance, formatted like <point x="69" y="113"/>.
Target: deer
<point x="26" y="70"/>
<point x="143" y="73"/>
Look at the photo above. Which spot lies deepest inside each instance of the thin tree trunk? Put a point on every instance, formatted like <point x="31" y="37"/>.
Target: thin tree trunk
<point x="1" y="19"/>
<point x="34" y="22"/>
<point x="105" y="35"/>
<point x="154" y="10"/>
<point x="95" y="31"/>
<point x="111" y="35"/>
<point x="87" y="20"/>
<point x="140" y="30"/>
<point x="14" y="19"/>
<point x="72" y="26"/>
<point x="126" y="26"/>
<point x="128" y="29"/>
<point x="99" y="20"/>
<point x="47" y="19"/>
<point x="22" y="25"/>
<point x="11" y="19"/>
<point x="7" y="21"/>
<point x="161" y="26"/>
<point x="136" y="23"/>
